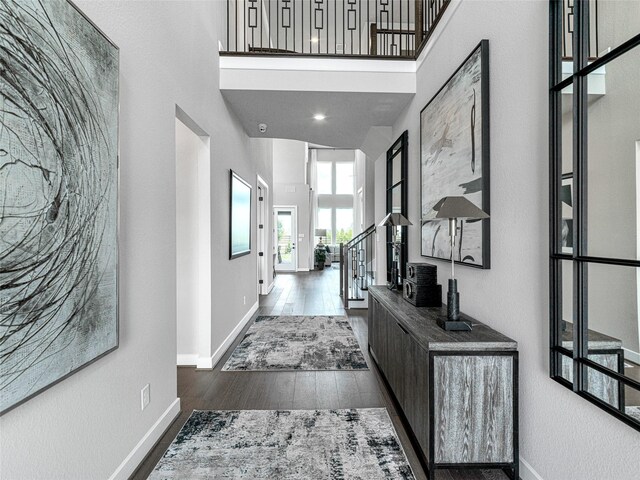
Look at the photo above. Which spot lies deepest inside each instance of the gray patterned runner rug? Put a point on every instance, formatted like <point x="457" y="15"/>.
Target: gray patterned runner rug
<point x="298" y="343"/>
<point x="354" y="444"/>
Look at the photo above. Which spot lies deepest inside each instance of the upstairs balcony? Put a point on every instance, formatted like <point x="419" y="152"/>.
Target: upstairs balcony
<point x="383" y="29"/>
<point x="353" y="62"/>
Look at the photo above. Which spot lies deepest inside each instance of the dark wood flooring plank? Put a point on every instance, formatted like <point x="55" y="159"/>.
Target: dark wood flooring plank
<point x="348" y="393"/>
<point x="304" y="394"/>
<point x="281" y="390"/>
<point x="327" y="390"/>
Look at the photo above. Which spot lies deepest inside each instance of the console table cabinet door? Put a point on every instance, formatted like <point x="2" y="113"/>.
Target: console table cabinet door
<point x="473" y="408"/>
<point x="378" y="334"/>
<point x="398" y="340"/>
<point x="416" y="393"/>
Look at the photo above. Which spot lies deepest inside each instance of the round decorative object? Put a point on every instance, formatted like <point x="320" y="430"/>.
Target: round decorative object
<point x="411" y="271"/>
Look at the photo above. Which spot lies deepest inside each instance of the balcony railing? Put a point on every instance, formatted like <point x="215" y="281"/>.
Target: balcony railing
<point x="567" y="29"/>
<point x="366" y="28"/>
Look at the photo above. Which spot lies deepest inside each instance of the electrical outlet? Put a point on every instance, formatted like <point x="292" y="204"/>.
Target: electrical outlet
<point x="244" y="299"/>
<point x="145" y="396"/>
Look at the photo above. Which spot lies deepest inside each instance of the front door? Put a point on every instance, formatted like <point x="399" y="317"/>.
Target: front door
<point x="286" y="236"/>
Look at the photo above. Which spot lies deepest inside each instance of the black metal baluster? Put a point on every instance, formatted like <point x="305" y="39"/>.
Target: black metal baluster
<point x="368" y="31"/>
<point x="327" y="24"/>
<point x="393" y="25"/>
<point x="310" y="28"/>
<point x="228" y="46"/>
<point x="377" y="28"/>
<point x="269" y="22"/>
<point x="359" y="27"/>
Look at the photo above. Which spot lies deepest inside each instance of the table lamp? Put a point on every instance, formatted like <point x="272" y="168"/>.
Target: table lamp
<point x="394" y="220"/>
<point x="453" y="208"/>
<point x="321" y="232"/>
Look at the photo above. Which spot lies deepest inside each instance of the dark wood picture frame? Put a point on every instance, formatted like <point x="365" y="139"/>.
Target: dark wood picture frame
<point x="236" y="211"/>
<point x="479" y="183"/>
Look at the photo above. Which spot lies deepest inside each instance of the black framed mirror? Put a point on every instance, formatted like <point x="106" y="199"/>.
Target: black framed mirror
<point x="397" y="158"/>
<point x="595" y="203"/>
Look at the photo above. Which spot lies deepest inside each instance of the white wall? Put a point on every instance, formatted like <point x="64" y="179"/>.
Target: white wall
<point x="562" y="436"/>
<point x="360" y="180"/>
<point x="289" y="164"/>
<point x="369" y="192"/>
<point x="85" y="426"/>
<point x="380" y="179"/>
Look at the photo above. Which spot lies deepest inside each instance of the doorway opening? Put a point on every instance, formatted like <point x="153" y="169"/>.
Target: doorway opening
<point x="286" y="218"/>
<point x="193" y="243"/>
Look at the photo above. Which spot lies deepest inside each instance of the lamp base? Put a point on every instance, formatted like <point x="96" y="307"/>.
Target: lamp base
<point x="393" y="285"/>
<point x="454" y="325"/>
<point x="453" y="301"/>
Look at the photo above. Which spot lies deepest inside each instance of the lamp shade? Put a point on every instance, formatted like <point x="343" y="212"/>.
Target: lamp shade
<point x="454" y="207"/>
<point x="394" y="220"/>
<point x="321" y="232"/>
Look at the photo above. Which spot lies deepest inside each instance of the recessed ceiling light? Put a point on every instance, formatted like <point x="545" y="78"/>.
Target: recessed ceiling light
<point x="319" y="116"/>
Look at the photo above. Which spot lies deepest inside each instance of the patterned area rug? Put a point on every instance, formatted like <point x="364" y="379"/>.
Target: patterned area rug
<point x="298" y="343"/>
<point x="356" y="444"/>
<point x="633" y="412"/>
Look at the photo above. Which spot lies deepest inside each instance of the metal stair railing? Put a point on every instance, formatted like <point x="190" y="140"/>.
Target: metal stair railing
<point x="357" y="262"/>
<point x="355" y="28"/>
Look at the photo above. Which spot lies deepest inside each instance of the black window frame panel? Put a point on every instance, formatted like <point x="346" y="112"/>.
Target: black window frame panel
<point x="580" y="260"/>
<point x="399" y="147"/>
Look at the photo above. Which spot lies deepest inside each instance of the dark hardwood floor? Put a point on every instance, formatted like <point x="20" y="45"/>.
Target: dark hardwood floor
<point x="313" y="293"/>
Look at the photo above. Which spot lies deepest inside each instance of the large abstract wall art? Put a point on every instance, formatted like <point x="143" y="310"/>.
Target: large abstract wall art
<point x="58" y="195"/>
<point x="454" y="159"/>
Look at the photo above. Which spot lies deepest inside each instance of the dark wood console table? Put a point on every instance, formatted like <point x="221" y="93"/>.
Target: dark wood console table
<point x="458" y="391"/>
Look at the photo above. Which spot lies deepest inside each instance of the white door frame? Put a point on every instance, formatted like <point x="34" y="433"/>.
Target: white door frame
<point x="263" y="274"/>
<point x="294" y="235"/>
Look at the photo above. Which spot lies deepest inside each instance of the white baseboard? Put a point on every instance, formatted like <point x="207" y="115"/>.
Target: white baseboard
<point x="302" y="270"/>
<point x="187" y="359"/>
<point x="631" y="355"/>
<point x="527" y="472"/>
<point x="209" y="363"/>
<point x="273" y="284"/>
<point x="204" y="363"/>
<point x="144" y="446"/>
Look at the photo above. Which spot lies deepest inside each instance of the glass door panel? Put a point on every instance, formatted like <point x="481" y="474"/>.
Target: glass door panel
<point x="286" y="239"/>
